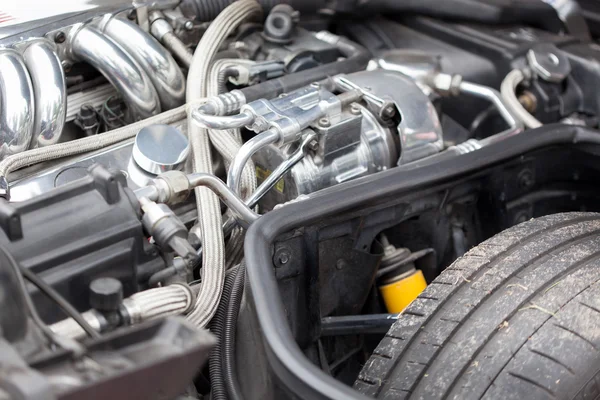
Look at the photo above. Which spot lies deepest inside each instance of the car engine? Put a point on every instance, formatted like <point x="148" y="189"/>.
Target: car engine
<point x="264" y="199"/>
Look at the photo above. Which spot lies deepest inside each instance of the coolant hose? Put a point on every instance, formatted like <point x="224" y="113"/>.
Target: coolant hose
<point x="357" y="58"/>
<point x="79" y="146"/>
<point x="209" y="210"/>
<point x="509" y="95"/>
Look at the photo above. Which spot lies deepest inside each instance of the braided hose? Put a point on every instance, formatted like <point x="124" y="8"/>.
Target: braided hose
<point x="149" y="304"/>
<point x="209" y="211"/>
<point x="84" y="145"/>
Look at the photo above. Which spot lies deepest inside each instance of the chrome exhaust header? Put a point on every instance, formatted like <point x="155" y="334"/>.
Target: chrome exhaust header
<point x="16" y="104"/>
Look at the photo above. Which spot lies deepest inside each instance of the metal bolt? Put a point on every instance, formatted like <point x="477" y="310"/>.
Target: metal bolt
<point x="189" y="25"/>
<point x="66" y="65"/>
<point x="528" y="101"/>
<point x="313" y="145"/>
<point x="60" y="37"/>
<point x="324" y="122"/>
<point x="340" y="264"/>
<point x="315" y="85"/>
<point x="526" y="179"/>
<point x="355" y="109"/>
<point x="388" y="112"/>
<point x="281" y="257"/>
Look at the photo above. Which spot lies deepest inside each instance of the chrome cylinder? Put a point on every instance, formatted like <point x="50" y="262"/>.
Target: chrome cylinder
<point x="154" y="59"/>
<point x="16" y="104"/>
<point x="90" y="45"/>
<point x="50" y="92"/>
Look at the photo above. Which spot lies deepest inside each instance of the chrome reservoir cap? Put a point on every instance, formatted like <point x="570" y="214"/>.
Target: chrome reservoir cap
<point x="160" y="148"/>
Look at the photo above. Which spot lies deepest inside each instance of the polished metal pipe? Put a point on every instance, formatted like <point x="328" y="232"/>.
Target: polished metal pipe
<point x="92" y="46"/>
<point x="16" y="104"/>
<point x="221" y="122"/>
<point x="234" y="175"/>
<point x="155" y="60"/>
<point x="494" y="97"/>
<point x="240" y="210"/>
<point x="50" y="91"/>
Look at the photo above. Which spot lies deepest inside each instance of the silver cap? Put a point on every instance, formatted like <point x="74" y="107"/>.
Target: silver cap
<point x="160" y="148"/>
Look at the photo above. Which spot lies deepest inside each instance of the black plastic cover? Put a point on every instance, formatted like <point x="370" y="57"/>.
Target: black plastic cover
<point x="76" y="233"/>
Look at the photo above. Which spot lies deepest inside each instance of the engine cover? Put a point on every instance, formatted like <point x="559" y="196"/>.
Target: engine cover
<point x="71" y="235"/>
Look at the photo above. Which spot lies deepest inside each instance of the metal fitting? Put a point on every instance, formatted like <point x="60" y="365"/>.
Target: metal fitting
<point x="549" y="63"/>
<point x="447" y="84"/>
<point x="292" y="113"/>
<point x="173" y="186"/>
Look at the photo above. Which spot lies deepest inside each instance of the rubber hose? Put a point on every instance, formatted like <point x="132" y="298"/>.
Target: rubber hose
<point x="235" y="300"/>
<point x="207" y="10"/>
<point x="357" y="58"/>
<point x="215" y="370"/>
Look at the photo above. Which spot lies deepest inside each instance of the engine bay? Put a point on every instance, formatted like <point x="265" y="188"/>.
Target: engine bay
<point x="270" y="200"/>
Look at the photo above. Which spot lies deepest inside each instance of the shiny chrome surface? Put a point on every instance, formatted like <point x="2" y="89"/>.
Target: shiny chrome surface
<point x="89" y="44"/>
<point x="494" y="97"/>
<point x="244" y="215"/>
<point x="154" y="59"/>
<point x="234" y="175"/>
<point x="50" y="92"/>
<point x="160" y="148"/>
<point x="422" y="67"/>
<point x="219" y="122"/>
<point x="419" y="129"/>
<point x="16" y="104"/>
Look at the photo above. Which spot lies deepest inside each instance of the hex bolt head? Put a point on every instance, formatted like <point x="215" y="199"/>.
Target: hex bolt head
<point x="324" y="122"/>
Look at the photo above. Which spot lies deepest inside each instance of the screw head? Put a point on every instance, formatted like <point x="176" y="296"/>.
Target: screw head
<point x="355" y="109"/>
<point x="189" y="25"/>
<point x="60" y="37"/>
<point x="324" y="122"/>
<point x="281" y="257"/>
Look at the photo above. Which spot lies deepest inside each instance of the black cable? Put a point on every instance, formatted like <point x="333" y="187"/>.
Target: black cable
<point x="46" y="331"/>
<point x="60" y="301"/>
<point x="215" y="368"/>
<point x="228" y="351"/>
